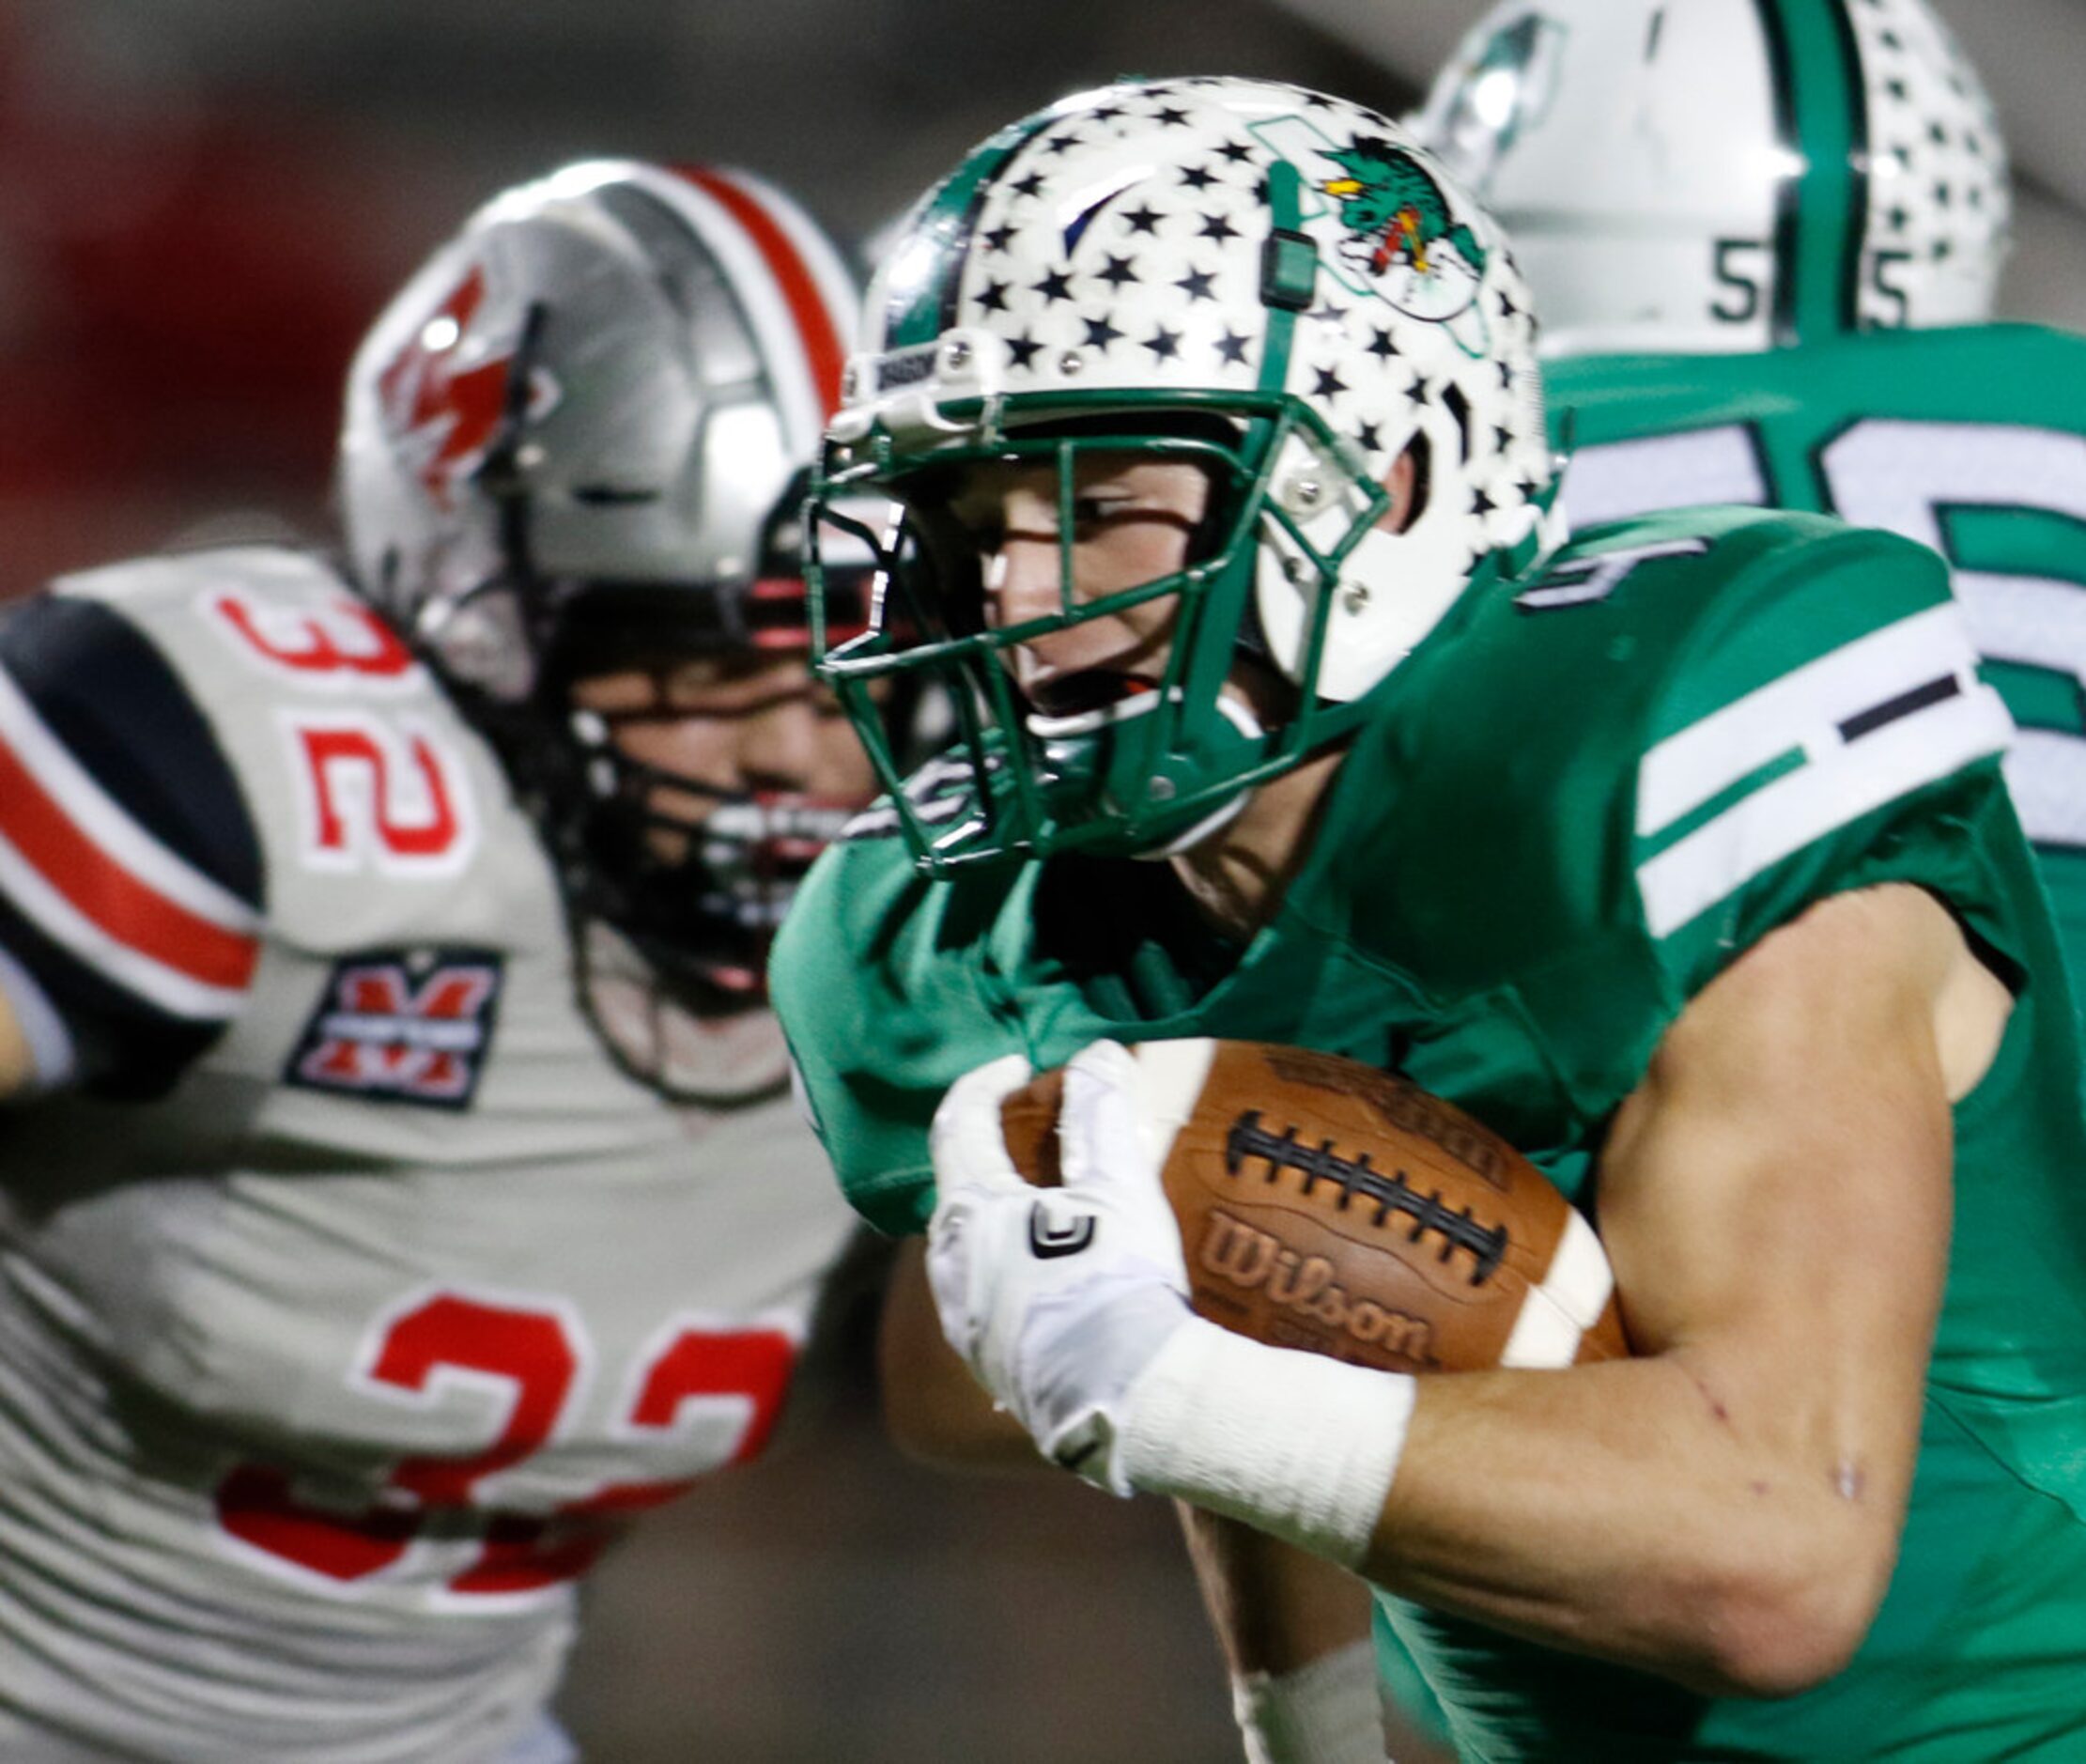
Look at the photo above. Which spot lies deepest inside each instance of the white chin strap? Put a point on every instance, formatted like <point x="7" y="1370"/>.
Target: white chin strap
<point x="1241" y="718"/>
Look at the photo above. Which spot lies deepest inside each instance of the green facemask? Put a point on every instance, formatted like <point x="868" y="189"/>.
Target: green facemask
<point x="1139" y="777"/>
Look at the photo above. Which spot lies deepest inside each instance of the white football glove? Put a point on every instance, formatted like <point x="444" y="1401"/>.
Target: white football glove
<point x="1056" y="1298"/>
<point x="1071" y="1306"/>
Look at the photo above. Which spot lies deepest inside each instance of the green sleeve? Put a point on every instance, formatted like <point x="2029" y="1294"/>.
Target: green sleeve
<point x="1823" y="729"/>
<point x="880" y="981"/>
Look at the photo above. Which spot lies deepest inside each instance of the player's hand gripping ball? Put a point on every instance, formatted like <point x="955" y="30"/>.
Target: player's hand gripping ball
<point x="1328" y="1206"/>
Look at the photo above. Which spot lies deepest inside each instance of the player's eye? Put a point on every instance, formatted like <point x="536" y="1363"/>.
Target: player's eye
<point x="970" y="524"/>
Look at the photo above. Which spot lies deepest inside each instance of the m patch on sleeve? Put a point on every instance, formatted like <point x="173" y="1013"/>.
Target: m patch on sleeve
<point x="408" y="1025"/>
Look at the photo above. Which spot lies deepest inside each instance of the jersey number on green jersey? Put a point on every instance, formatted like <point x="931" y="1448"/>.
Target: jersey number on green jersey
<point x="2004" y="503"/>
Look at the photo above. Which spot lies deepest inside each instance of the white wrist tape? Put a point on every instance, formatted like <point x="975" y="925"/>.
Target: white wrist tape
<point x="1328" y="1712"/>
<point x="1295" y="1443"/>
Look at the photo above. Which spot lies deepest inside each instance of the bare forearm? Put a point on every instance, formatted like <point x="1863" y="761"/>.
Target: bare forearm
<point x="1295" y="1634"/>
<point x="1774" y="1197"/>
<point x="1635" y="1512"/>
<point x="933" y="1410"/>
<point x="1274" y="1608"/>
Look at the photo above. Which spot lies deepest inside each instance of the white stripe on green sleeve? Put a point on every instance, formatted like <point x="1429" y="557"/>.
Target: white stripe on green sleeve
<point x="1753" y="783"/>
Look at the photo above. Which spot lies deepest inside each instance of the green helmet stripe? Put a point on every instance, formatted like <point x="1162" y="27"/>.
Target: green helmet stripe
<point x="1285" y="206"/>
<point x="922" y="311"/>
<point x="1822" y="113"/>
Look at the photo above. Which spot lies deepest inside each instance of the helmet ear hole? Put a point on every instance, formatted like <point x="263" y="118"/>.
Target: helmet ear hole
<point x="1458" y="406"/>
<point x="1410" y="483"/>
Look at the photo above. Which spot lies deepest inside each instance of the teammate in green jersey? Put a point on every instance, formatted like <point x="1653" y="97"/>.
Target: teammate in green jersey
<point x="1765" y="240"/>
<point x="1680" y="855"/>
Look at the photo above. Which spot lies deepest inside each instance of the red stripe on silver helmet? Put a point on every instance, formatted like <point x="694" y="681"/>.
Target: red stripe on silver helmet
<point x="763" y="217"/>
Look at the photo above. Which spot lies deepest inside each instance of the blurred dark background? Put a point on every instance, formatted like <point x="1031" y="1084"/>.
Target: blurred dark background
<point x="202" y="202"/>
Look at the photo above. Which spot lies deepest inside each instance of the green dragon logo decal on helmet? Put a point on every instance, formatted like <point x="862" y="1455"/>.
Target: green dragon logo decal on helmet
<point x="1395" y="210"/>
<point x="1389" y="230"/>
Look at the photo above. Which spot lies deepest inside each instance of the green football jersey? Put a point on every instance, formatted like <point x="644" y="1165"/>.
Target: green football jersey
<point x="1972" y="442"/>
<point x="1576" y="804"/>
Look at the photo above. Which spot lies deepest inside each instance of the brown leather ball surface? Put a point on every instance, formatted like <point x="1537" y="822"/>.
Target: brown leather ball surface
<point x="1329" y="1206"/>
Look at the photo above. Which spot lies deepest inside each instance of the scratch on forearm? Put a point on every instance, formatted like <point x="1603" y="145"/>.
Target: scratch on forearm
<point x="1717" y="1410"/>
<point x="1760" y="1487"/>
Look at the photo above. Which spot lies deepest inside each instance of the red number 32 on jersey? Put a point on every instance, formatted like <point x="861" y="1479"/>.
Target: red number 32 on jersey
<point x="711" y="1394"/>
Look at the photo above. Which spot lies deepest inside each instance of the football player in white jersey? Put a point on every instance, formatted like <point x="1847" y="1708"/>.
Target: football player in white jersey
<point x="401" y="1188"/>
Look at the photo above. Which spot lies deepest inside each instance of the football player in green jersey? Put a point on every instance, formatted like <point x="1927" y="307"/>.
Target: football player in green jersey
<point x="1680" y="855"/>
<point x="1764" y="236"/>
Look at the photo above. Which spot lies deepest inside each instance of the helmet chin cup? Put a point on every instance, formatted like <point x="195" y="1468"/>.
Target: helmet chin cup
<point x="1252" y="740"/>
<point x="1095" y="764"/>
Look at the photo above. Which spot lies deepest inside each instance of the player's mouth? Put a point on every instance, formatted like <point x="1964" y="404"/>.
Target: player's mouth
<point x="1055" y="697"/>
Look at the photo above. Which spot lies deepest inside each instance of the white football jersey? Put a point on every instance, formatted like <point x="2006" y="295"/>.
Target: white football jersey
<point x="351" y="1295"/>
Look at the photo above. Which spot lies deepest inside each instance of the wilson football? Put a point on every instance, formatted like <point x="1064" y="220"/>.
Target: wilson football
<point x="1329" y="1206"/>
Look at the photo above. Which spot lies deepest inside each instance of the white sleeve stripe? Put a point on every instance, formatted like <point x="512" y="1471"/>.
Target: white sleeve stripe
<point x="1783" y="817"/>
<point x="106" y="826"/>
<point x="53" y="1057"/>
<point x="1804" y="709"/>
<point x="171" y="990"/>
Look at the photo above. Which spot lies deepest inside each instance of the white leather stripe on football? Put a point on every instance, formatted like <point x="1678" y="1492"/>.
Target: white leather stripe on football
<point x="1171" y="1076"/>
<point x="1567" y="1303"/>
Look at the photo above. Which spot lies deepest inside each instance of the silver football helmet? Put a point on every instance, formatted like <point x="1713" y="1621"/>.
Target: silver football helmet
<point x="1730" y="174"/>
<point x="634" y="361"/>
<point x="576" y="441"/>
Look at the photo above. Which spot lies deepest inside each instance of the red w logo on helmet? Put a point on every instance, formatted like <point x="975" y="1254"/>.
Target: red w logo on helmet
<point x="442" y="412"/>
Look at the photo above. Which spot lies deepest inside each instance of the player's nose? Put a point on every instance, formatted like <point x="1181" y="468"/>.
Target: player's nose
<point x="1024" y="580"/>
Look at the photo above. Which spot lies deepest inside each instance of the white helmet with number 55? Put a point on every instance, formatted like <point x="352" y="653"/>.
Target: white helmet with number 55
<point x="1730" y="174"/>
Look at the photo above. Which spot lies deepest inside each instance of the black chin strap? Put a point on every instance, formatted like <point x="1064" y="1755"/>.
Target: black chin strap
<point x="502" y="474"/>
<point x="501" y="471"/>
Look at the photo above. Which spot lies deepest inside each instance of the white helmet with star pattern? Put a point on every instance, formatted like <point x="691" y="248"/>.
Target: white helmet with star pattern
<point x="1273" y="283"/>
<point x="1730" y="174"/>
